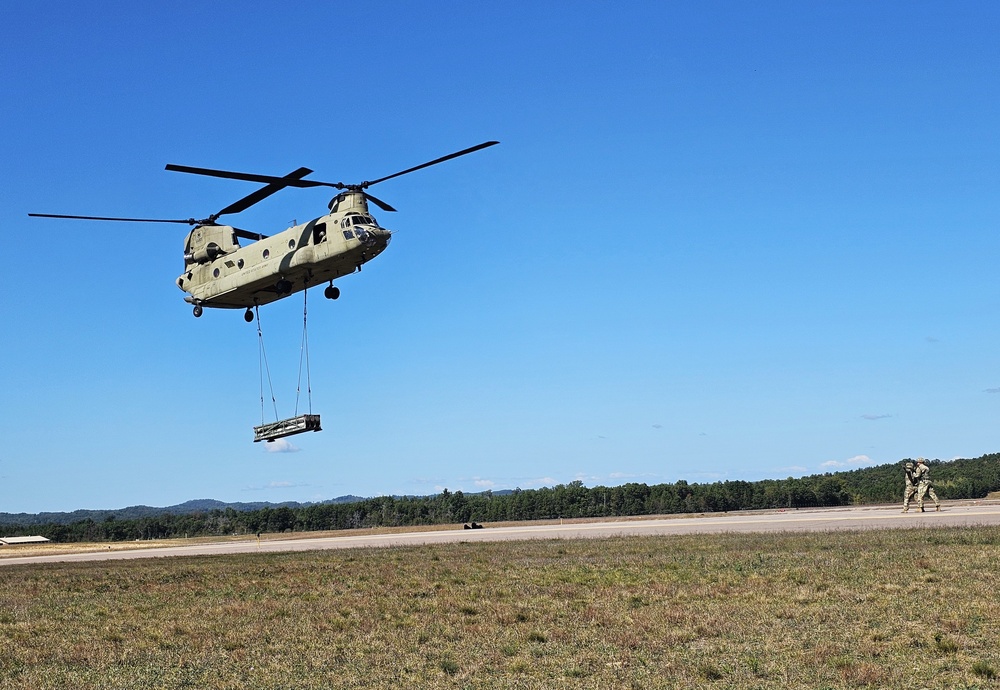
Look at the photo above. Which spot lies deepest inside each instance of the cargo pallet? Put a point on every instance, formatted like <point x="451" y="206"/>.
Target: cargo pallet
<point x="286" y="427"/>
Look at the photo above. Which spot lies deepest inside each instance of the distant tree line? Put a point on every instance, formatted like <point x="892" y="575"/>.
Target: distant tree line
<point x="966" y="478"/>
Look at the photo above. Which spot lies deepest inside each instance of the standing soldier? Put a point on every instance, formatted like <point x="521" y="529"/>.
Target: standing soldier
<point x="910" y="489"/>
<point x="922" y="476"/>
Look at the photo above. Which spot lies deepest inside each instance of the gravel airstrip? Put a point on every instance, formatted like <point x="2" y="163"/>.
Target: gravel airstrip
<point x="953" y="514"/>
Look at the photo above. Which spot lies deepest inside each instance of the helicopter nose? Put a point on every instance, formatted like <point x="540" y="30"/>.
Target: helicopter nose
<point x="379" y="236"/>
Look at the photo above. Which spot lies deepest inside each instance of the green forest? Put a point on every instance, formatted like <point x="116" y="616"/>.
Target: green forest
<point x="955" y="479"/>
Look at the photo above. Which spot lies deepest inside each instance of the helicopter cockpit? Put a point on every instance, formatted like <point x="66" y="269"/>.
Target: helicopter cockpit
<point x="353" y="224"/>
<point x="357" y="219"/>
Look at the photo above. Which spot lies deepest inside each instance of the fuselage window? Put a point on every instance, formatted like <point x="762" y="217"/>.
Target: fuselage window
<point x="215" y="273"/>
<point x="239" y="263"/>
<point x="267" y="253"/>
<point x="319" y="233"/>
<point x="291" y="244"/>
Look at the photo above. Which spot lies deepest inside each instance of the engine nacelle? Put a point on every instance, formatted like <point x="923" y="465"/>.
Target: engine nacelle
<point x="206" y="243"/>
<point x="210" y="252"/>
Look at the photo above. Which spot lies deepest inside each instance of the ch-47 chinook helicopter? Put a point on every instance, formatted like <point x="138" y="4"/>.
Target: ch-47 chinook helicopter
<point x="220" y="273"/>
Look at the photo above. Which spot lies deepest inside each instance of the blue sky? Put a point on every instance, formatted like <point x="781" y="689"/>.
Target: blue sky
<point x="719" y="240"/>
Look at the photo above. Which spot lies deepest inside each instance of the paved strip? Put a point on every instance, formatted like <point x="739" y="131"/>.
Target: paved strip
<point x="971" y="514"/>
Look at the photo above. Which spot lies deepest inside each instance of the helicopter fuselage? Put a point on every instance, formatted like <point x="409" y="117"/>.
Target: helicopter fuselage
<point x="220" y="273"/>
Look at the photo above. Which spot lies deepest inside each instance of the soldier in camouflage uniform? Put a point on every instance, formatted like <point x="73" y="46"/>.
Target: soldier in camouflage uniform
<point x="911" y="487"/>
<point x="922" y="476"/>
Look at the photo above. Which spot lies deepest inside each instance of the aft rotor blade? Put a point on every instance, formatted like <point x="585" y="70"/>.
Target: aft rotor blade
<point x="188" y="221"/>
<point x="247" y="235"/>
<point x="479" y="147"/>
<point x="274" y="186"/>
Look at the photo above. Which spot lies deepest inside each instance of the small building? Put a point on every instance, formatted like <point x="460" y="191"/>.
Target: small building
<point x="15" y="541"/>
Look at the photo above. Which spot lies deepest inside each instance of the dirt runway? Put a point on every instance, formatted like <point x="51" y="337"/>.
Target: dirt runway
<point x="953" y="514"/>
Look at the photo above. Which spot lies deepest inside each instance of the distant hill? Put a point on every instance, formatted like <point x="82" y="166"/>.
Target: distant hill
<point x="201" y="505"/>
<point x="962" y="478"/>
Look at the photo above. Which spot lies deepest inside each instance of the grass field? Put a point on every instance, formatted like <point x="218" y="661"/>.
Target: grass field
<point x="908" y="608"/>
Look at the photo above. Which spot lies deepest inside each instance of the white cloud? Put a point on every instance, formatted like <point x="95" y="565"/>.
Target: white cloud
<point x="275" y="485"/>
<point x="281" y="445"/>
<point x="541" y="481"/>
<point x="856" y="461"/>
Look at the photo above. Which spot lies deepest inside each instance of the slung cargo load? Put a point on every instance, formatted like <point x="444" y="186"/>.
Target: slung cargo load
<point x="286" y="427"/>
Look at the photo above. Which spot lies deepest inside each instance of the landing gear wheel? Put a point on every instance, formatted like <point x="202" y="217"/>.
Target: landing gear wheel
<point x="197" y="311"/>
<point x="248" y="315"/>
<point x="332" y="292"/>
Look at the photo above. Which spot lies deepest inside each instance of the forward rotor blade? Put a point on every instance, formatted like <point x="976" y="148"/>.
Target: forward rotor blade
<point x="229" y="174"/>
<point x="433" y="162"/>
<point x="294" y="179"/>
<point x="297" y="182"/>
<point x="288" y="180"/>
<point x="188" y="221"/>
<point x="378" y="202"/>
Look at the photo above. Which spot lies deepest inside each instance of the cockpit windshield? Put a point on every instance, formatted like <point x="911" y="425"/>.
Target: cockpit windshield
<point x="356" y="219"/>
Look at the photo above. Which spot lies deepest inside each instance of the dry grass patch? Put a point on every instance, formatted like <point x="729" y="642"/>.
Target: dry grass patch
<point x="832" y="610"/>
